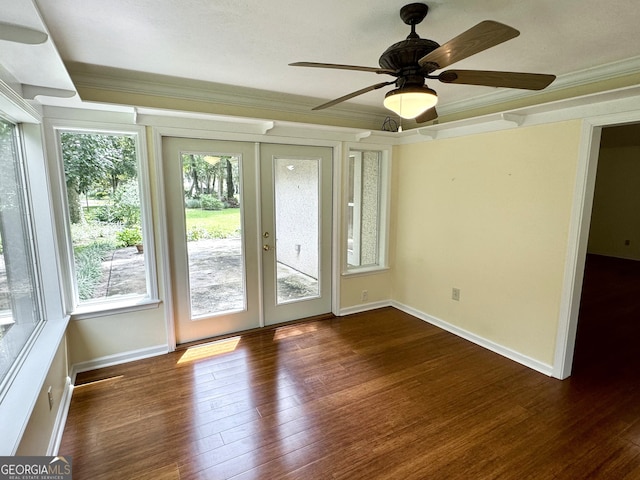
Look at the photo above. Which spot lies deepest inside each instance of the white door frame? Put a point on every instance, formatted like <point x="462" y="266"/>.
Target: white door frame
<point x="579" y="235"/>
<point x="275" y="312"/>
<point x="162" y="238"/>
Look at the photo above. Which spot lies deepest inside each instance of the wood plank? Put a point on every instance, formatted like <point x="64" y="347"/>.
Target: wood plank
<point x="375" y="395"/>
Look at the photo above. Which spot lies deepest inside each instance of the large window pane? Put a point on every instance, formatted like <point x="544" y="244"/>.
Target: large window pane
<point x="20" y="310"/>
<point x="363" y="216"/>
<point x="105" y="215"/>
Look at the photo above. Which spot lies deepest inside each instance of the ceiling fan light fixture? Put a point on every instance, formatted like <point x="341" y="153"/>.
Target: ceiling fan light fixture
<point x="409" y="102"/>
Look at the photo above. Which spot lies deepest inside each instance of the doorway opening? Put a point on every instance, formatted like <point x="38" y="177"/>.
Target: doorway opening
<point x="608" y="326"/>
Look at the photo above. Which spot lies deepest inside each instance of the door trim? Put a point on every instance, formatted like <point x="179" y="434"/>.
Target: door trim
<point x="277" y="312"/>
<point x="158" y="132"/>
<point x="579" y="235"/>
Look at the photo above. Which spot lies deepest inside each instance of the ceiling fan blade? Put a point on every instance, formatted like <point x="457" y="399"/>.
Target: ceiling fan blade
<point x="427" y="116"/>
<point x="352" y="94"/>
<point x="484" y="35"/>
<point x="527" y="81"/>
<point x="343" y="67"/>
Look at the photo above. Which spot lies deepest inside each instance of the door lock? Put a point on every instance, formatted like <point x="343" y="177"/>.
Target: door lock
<point x="265" y="234"/>
<point x="266" y="248"/>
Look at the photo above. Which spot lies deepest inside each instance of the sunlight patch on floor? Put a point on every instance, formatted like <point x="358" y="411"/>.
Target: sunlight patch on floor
<point x="294" y="330"/>
<point x="98" y="382"/>
<point x="208" y="350"/>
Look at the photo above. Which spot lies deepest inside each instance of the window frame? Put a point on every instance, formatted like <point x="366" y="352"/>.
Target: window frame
<point x="384" y="192"/>
<point x="26" y="208"/>
<point x="95" y="308"/>
<point x="18" y="401"/>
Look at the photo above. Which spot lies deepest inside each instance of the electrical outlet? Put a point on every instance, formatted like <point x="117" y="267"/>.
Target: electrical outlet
<point x="364" y="296"/>
<point x="455" y="294"/>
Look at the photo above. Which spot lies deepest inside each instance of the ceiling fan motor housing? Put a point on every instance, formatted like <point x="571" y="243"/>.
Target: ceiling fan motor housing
<point x="414" y="60"/>
<point x="404" y="55"/>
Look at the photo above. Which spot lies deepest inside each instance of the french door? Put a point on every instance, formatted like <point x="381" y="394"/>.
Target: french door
<point x="249" y="231"/>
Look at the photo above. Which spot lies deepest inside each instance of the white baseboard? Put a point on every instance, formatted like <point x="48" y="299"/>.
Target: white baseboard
<point x="483" y="342"/>
<point x="365" y="307"/>
<point x="117" y="359"/>
<point x="61" y="419"/>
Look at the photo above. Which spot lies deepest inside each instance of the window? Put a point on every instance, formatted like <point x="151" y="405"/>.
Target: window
<point x="20" y="297"/>
<point x="366" y="209"/>
<point x="105" y="191"/>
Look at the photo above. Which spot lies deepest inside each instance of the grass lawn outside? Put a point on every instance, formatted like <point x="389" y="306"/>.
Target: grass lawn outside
<point x="212" y="223"/>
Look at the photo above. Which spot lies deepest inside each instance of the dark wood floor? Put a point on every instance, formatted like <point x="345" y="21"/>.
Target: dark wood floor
<point x="379" y="395"/>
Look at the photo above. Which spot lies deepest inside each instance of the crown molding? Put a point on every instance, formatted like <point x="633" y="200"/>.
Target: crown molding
<point x="596" y="105"/>
<point x="566" y="82"/>
<point x="30" y="92"/>
<point x="199" y="125"/>
<point x="13" y="106"/>
<point x="131" y="82"/>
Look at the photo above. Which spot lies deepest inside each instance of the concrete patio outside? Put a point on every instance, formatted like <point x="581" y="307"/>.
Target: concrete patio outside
<point x="216" y="276"/>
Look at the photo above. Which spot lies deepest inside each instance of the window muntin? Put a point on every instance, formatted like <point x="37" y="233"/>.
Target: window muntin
<point x="20" y="295"/>
<point x="105" y="211"/>
<point x="365" y="209"/>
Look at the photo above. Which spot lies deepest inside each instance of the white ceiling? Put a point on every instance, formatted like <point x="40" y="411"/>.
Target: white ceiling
<point x="249" y="43"/>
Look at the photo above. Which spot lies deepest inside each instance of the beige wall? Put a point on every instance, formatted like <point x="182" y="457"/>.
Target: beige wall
<point x="108" y="335"/>
<point x="377" y="285"/>
<point x="35" y="440"/>
<point x="616" y="204"/>
<point x="488" y="214"/>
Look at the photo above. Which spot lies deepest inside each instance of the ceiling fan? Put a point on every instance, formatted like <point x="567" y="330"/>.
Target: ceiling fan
<point x="415" y="59"/>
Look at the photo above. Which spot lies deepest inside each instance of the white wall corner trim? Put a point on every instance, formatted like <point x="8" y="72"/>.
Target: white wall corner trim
<point x="480" y="341"/>
<point x="117" y="359"/>
<point x="61" y="420"/>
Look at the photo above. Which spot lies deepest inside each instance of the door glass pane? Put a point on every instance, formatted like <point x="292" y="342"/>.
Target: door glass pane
<point x="296" y="191"/>
<point x="214" y="233"/>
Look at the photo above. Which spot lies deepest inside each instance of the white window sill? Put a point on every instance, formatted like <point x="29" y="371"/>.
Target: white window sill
<point x="113" y="308"/>
<point x="360" y="272"/>
<point x="20" y="398"/>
